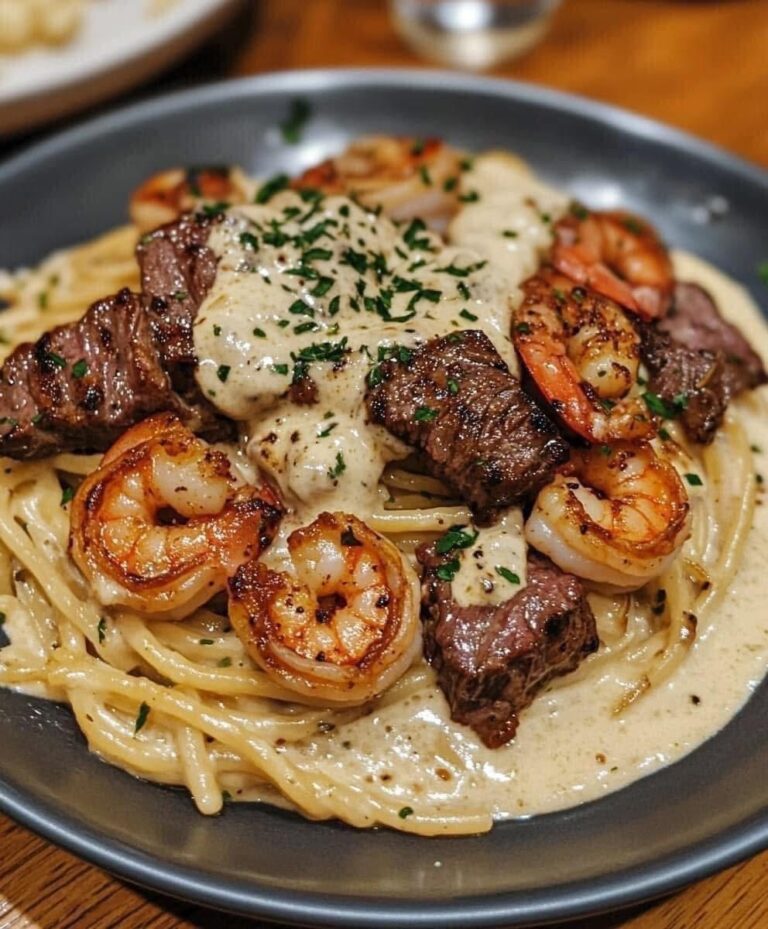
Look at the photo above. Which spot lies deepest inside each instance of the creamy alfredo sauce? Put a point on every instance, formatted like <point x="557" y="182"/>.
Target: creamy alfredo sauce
<point x="570" y="747"/>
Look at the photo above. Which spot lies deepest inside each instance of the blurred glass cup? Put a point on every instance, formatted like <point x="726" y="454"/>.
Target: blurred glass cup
<point x="472" y="34"/>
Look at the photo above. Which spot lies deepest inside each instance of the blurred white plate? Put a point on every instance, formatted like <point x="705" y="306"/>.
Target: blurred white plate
<point x="120" y="44"/>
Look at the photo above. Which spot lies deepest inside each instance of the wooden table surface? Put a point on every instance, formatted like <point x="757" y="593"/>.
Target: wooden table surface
<point x="697" y="65"/>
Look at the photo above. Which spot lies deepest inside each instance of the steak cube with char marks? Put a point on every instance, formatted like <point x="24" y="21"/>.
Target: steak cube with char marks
<point x="457" y="402"/>
<point x="491" y="661"/>
<point x="698" y="361"/>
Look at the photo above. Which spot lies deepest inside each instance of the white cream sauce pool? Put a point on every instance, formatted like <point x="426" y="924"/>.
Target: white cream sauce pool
<point x="570" y="747"/>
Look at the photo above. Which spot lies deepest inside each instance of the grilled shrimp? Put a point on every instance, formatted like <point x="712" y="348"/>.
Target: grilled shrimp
<point x="616" y="516"/>
<point x="346" y="624"/>
<point x="162" y="197"/>
<point x="163" y="522"/>
<point x="405" y="177"/>
<point x="583" y="353"/>
<point x="618" y="255"/>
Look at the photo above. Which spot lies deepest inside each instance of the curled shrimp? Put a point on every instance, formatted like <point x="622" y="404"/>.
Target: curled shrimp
<point x="162" y="197"/>
<point x="345" y="626"/>
<point x="616" y="516"/>
<point x="618" y="255"/>
<point x="406" y="177"/>
<point x="583" y="353"/>
<point x="163" y="522"/>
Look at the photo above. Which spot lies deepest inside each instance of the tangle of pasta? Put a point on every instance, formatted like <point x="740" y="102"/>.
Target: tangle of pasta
<point x="180" y="703"/>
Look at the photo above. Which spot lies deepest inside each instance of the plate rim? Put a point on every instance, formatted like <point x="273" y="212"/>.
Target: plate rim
<point x="515" y="908"/>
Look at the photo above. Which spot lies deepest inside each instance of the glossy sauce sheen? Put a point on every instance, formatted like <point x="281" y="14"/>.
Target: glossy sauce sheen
<point x="570" y="747"/>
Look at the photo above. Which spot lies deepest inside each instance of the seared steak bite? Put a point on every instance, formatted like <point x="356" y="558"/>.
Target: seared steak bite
<point x="81" y="385"/>
<point x="695" y="321"/>
<point x="697" y="361"/>
<point x="456" y="401"/>
<point x="177" y="271"/>
<point x="491" y="661"/>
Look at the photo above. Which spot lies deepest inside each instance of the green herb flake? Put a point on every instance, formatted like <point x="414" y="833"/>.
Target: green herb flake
<point x="579" y="211"/>
<point x="664" y="434"/>
<point x="465" y="314"/>
<point x="42" y="300"/>
<point x="249" y="240"/>
<point x="413" y="238"/>
<point x="472" y="196"/>
<point x="102" y="630"/>
<point x="2" y="617"/>
<point x="453" y="386"/>
<point x="509" y="234"/>
<point x="762" y="272"/>
<point x="224" y="662"/>
<point x="523" y="328"/>
<point x="424" y="174"/>
<point x="425" y="414"/>
<point x="259" y="333"/>
<point x="226" y="796"/>
<point x="280" y="368"/>
<point x="663" y="408"/>
<point x="450" y="184"/>
<point x="324" y="433"/>
<point x="67" y="494"/>
<point x="308" y="326"/>
<point x="79" y="369"/>
<point x="273" y="186"/>
<point x="55" y="360"/>
<point x="292" y="126"/>
<point x="508" y="575"/>
<point x="447" y="571"/>
<point x="405" y="811"/>
<point x="339" y="468"/>
<point x="455" y="537"/>
<point x="222" y="373"/>
<point x="755" y="448"/>
<point x="694" y="480"/>
<point x="205" y="642"/>
<point x="141" y="718"/>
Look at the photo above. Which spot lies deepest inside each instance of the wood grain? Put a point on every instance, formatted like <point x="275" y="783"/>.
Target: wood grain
<point x="700" y="66"/>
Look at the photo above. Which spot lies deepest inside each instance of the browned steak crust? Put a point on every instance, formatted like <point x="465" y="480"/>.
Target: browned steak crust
<point x="456" y="401"/>
<point x="491" y="661"/>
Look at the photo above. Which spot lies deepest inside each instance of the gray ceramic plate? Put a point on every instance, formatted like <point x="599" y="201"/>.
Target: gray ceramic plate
<point x="681" y="824"/>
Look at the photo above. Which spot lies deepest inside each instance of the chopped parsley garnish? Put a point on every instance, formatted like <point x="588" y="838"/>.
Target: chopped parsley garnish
<point x="298" y="115"/>
<point x="663" y="408"/>
<point x="322" y="287"/>
<point x="273" y="186"/>
<point x="205" y="642"/>
<point x="2" y="617"/>
<point x="67" y="494"/>
<point x="467" y="315"/>
<point x="224" y="662"/>
<point x="405" y="811"/>
<point x="222" y="373"/>
<point x="450" y="184"/>
<point x="102" y="629"/>
<point x="509" y="234"/>
<point x="755" y="448"/>
<point x="226" y="796"/>
<point x="141" y="718"/>
<point x="455" y="537"/>
<point x="57" y="361"/>
<point x="356" y="260"/>
<point x="425" y="176"/>
<point x="79" y="369"/>
<point x="508" y="575"/>
<point x="457" y="271"/>
<point x="300" y="308"/>
<point x="316" y="254"/>
<point x="385" y="353"/>
<point x="413" y="238"/>
<point x="694" y="480"/>
<point x="453" y="386"/>
<point x="664" y="435"/>
<point x="323" y="351"/>
<point x="42" y="300"/>
<point x="215" y="209"/>
<point x="334" y="305"/>
<point x="447" y="571"/>
<point x="466" y="164"/>
<point x="425" y="414"/>
<point x="762" y="272"/>
<point x="579" y="211"/>
<point x="217" y="331"/>
<point x="339" y="468"/>
<point x="308" y="326"/>
<point x="249" y="240"/>
<point x="633" y="225"/>
<point x="472" y="196"/>
<point x="523" y="328"/>
<point x="463" y="290"/>
<point x="324" y="433"/>
<point x="280" y="369"/>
